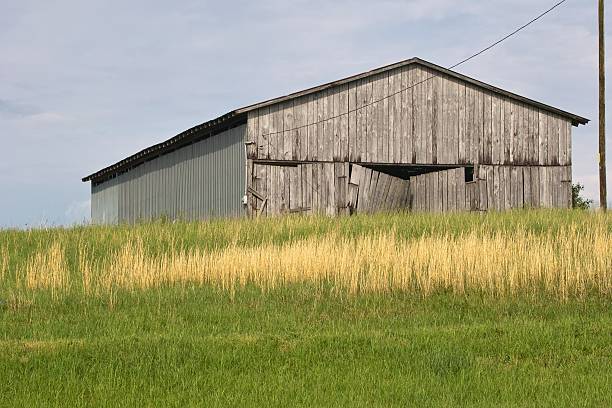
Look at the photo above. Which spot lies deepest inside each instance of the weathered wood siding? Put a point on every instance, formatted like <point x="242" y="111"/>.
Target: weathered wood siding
<point x="312" y="188"/>
<point x="412" y="114"/>
<point x="371" y="191"/>
<point x="440" y="191"/>
<point x="506" y="187"/>
<point x="324" y="188"/>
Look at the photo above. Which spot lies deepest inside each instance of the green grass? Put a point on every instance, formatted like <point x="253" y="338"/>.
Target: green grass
<point x="298" y="345"/>
<point x="290" y="348"/>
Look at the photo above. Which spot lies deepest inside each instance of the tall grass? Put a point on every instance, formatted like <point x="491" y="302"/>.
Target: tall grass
<point x="560" y="253"/>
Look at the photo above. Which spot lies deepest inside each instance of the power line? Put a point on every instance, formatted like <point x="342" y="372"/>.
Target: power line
<point x="429" y="77"/>
<point x="509" y="35"/>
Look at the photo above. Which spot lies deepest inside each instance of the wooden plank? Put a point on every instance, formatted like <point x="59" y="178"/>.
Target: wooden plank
<point x="370" y="123"/>
<point x="496" y="122"/>
<point x="412" y="193"/>
<point x="312" y="128"/>
<point x="352" y="122"/>
<point x="451" y="193"/>
<point x="273" y="135"/>
<point x="518" y="130"/>
<point x="418" y="108"/>
<point x="527" y="188"/>
<point x="520" y="189"/>
<point x="372" y="193"/>
<point x="488" y="129"/>
<point x="283" y="189"/>
<point x="321" y="127"/>
<point x="301" y="109"/>
<point x="461" y="189"/>
<point x="439" y="114"/>
<point x="353" y="187"/>
<point x="435" y="204"/>
<point x="553" y="141"/>
<point x="505" y="131"/>
<point x="557" y="193"/>
<point x="498" y="187"/>
<point x="429" y="117"/>
<point x="315" y="188"/>
<point x="462" y="125"/>
<point x="251" y="136"/>
<point x="562" y="142"/>
<point x="292" y="182"/>
<point x="491" y="198"/>
<point x="344" y="123"/>
<point x="392" y="201"/>
<point x="542" y="137"/>
<point x="263" y="136"/>
<point x="550" y="140"/>
<point x="373" y="121"/>
<point x="384" y="117"/>
<point x="471" y="143"/>
<point x="535" y="186"/>
<point x="329" y="125"/>
<point x="273" y="199"/>
<point x="407" y="115"/>
<point x="392" y="109"/>
<point x="380" y="121"/>
<point x="544" y="198"/>
<point x="335" y="126"/>
<point x="514" y="202"/>
<point x="364" y="185"/>
<point x="513" y="121"/>
<point x="453" y="124"/>
<point x="362" y="128"/>
<point x="535" y="124"/>
<point x="568" y="141"/>
<point x="342" y="175"/>
<point x="507" y="188"/>
<point x="568" y="186"/>
<point x="400" y="135"/>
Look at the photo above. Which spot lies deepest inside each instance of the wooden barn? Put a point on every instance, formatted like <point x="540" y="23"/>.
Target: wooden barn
<point x="410" y="135"/>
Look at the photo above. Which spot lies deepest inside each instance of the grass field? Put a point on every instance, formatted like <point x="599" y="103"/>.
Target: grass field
<point x="387" y="310"/>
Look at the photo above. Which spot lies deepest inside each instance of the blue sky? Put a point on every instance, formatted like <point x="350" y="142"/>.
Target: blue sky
<point x="86" y="83"/>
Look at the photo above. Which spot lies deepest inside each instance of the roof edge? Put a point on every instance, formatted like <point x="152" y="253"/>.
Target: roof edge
<point x="186" y="137"/>
<point x="576" y="119"/>
<point x="236" y="115"/>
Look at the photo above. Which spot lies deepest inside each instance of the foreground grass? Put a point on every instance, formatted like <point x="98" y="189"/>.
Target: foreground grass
<point x="388" y="310"/>
<point x="291" y="348"/>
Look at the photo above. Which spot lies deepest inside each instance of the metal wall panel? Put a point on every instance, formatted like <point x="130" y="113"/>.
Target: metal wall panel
<point x="202" y="180"/>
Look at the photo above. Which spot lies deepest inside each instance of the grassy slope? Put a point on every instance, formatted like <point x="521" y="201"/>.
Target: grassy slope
<point x="296" y="345"/>
<point x="291" y="348"/>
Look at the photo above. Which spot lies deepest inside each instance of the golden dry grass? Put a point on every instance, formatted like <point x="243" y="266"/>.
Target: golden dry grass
<point x="569" y="262"/>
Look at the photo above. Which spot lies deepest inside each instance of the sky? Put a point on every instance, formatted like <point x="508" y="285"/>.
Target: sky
<point x="84" y="84"/>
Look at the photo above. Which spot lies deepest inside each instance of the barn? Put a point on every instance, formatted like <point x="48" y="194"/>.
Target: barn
<point x="410" y="135"/>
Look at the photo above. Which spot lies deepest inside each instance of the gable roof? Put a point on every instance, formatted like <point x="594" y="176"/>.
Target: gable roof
<point x="238" y="115"/>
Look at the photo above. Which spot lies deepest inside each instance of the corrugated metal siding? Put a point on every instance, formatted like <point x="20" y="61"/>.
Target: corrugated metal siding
<point x="199" y="181"/>
<point x="104" y="202"/>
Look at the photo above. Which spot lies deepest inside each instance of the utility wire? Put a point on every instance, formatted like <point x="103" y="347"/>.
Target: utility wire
<point x="429" y="77"/>
<point x="509" y="35"/>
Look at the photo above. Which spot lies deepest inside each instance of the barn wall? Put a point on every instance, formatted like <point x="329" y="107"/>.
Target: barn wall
<point x="439" y="120"/>
<point x="506" y="187"/>
<point x="203" y="180"/>
<point x="309" y="188"/>
<point x="325" y="188"/>
<point x="439" y="191"/>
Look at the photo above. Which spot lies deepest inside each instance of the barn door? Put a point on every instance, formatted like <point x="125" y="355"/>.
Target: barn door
<point x="279" y="188"/>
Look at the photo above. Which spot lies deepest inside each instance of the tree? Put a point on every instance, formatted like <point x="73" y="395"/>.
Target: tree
<point x="579" y="202"/>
